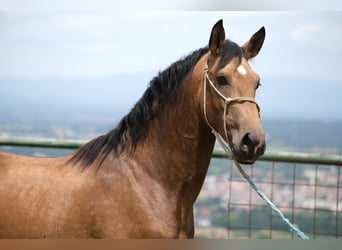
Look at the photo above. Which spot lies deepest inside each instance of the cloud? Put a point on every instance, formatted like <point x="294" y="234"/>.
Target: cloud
<point x="317" y="35"/>
<point x="54" y="27"/>
<point x="111" y="43"/>
<point x="98" y="48"/>
<point x="306" y="34"/>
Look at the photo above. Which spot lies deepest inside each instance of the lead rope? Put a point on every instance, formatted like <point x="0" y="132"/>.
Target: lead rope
<point x="293" y="228"/>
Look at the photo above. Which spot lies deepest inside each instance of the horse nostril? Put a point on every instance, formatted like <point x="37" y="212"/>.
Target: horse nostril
<point x="251" y="147"/>
<point x="246" y="143"/>
<point x="261" y="149"/>
<point x="251" y="144"/>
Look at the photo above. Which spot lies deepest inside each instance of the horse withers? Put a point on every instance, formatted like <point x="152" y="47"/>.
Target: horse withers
<point x="141" y="179"/>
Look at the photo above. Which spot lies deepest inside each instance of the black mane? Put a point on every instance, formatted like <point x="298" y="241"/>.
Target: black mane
<point x="162" y="92"/>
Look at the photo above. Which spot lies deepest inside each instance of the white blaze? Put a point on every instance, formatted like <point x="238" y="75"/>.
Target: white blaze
<point x="242" y="70"/>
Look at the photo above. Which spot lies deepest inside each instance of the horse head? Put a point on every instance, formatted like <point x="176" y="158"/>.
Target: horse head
<point x="229" y="94"/>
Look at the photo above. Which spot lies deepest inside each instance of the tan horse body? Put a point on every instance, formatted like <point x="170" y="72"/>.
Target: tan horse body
<point x="138" y="184"/>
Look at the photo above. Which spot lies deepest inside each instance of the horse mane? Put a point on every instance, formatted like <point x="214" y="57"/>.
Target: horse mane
<point x="162" y="92"/>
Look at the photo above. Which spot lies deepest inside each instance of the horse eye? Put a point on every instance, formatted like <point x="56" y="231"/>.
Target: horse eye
<point x="221" y="80"/>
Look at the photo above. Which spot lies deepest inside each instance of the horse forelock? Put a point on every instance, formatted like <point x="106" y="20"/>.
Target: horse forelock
<point x="230" y="50"/>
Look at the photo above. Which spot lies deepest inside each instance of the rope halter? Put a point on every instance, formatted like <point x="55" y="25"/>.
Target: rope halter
<point x="224" y="141"/>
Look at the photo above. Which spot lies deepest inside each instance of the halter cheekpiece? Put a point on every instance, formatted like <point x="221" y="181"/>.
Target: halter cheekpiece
<point x="224" y="141"/>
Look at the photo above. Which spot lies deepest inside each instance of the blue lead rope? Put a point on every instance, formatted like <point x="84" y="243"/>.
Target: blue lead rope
<point x="293" y="228"/>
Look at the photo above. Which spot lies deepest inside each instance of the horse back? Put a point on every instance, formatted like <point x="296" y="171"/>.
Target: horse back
<point x="42" y="197"/>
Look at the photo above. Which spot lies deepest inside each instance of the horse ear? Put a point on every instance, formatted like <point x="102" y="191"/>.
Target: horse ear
<point x="252" y="47"/>
<point x="217" y="38"/>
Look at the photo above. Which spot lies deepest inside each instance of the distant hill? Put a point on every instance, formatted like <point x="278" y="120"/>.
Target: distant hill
<point x="320" y="136"/>
<point x="296" y="113"/>
<point x="278" y="97"/>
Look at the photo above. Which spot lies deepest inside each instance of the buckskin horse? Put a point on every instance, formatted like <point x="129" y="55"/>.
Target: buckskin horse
<point x="141" y="179"/>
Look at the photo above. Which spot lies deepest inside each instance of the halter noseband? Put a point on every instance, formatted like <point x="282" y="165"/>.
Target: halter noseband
<point x="225" y="142"/>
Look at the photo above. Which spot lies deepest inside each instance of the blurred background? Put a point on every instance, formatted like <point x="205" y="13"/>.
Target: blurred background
<point x="75" y="74"/>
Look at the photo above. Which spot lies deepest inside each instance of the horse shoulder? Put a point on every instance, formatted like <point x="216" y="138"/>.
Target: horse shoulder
<point x="133" y="205"/>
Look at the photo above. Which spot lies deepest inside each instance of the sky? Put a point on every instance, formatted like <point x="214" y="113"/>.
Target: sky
<point x="299" y="63"/>
<point x="96" y="44"/>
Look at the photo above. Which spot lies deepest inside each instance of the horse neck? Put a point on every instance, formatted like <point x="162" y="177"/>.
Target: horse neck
<point x="179" y="143"/>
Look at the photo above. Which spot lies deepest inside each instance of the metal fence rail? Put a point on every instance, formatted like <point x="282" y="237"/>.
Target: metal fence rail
<point x="306" y="187"/>
<point x="41" y="142"/>
<point x="326" y="159"/>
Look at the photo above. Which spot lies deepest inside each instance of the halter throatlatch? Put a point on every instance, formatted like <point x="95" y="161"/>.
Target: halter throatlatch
<point x="224" y="141"/>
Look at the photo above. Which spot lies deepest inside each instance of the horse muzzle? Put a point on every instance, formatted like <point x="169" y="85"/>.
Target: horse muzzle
<point x="249" y="149"/>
